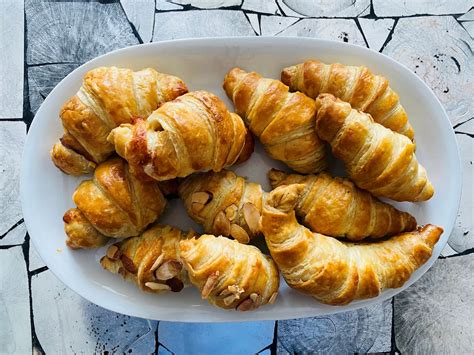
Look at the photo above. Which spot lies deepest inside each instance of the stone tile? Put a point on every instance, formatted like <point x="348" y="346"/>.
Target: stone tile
<point x="468" y="16"/>
<point x="263" y="7"/>
<point x="253" y="19"/>
<point x="67" y="323"/>
<point x="286" y="10"/>
<point x="11" y="58"/>
<point x="209" y="4"/>
<point x="142" y="14"/>
<point x="335" y="29"/>
<point x="420" y="7"/>
<point x="364" y="330"/>
<point x="12" y="139"/>
<point x="469" y="27"/>
<point x="193" y="24"/>
<point x="15" y="235"/>
<point x="209" y="338"/>
<point x="376" y="31"/>
<point x="42" y="79"/>
<point x="163" y="351"/>
<point x="74" y="31"/>
<point x="324" y="8"/>
<point x="441" y="54"/>
<point x="435" y="315"/>
<point x="273" y="25"/>
<point x="35" y="260"/>
<point x="167" y="5"/>
<point x="15" y="332"/>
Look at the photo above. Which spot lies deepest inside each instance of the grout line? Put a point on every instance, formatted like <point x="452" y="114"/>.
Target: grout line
<point x="389" y="37"/>
<point x="132" y="26"/>
<point x="39" y="270"/>
<point x="361" y="31"/>
<point x="11" y="228"/>
<point x="463" y="122"/>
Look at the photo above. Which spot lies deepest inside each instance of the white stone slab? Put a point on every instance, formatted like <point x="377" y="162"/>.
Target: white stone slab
<point x="273" y="25"/>
<point x="35" y="260"/>
<point x="469" y="26"/>
<point x="209" y="4"/>
<point x="287" y="11"/>
<point x="66" y="323"/>
<point x="167" y="5"/>
<point x="439" y="51"/>
<point x="12" y="139"/>
<point x="435" y="315"/>
<point x="142" y="14"/>
<point x="335" y="29"/>
<point x="11" y="58"/>
<point x="329" y="8"/>
<point x="468" y="16"/>
<point x="15" y="235"/>
<point x="207" y="23"/>
<point x="253" y="19"/>
<point x="420" y="7"/>
<point x="376" y="31"/>
<point x="15" y="329"/>
<point x="263" y="7"/>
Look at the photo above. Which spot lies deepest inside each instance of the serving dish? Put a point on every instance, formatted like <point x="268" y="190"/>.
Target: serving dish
<point x="202" y="63"/>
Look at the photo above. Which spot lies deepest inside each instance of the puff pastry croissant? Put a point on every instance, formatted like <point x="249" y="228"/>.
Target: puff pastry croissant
<point x="336" y="272"/>
<point x="230" y="274"/>
<point x="336" y="207"/>
<point x="113" y="204"/>
<point x="150" y="260"/>
<point x="283" y="121"/>
<point x="376" y="158"/>
<point x="357" y="85"/>
<point x="108" y="97"/>
<point x="195" y="132"/>
<point x="224" y="203"/>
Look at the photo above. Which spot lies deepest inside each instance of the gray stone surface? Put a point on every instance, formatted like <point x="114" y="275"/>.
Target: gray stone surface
<point x="376" y="31"/>
<point x="414" y="7"/>
<point x="193" y="24"/>
<point x="469" y="26"/>
<point x="15" y="235"/>
<point x="167" y="5"/>
<point x="66" y="323"/>
<point x="273" y="25"/>
<point x="338" y="30"/>
<point x="263" y="7"/>
<point x="216" y="338"/>
<point x="253" y="19"/>
<point x="440" y="52"/>
<point x="11" y="58"/>
<point x="42" y="79"/>
<point x="436" y="315"/>
<point x="209" y="4"/>
<point x="468" y="16"/>
<point x="15" y="333"/>
<point x="35" y="260"/>
<point x="74" y="31"/>
<point x="364" y="330"/>
<point x="142" y="14"/>
<point x="12" y="139"/>
<point x="328" y="8"/>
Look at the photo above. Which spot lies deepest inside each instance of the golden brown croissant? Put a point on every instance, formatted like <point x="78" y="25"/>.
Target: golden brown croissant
<point x="113" y="204"/>
<point x="376" y="158"/>
<point x="230" y="274"/>
<point x="336" y="207"/>
<point x="357" y="85"/>
<point x="193" y="133"/>
<point x="108" y="97"/>
<point x="283" y="121"/>
<point x="224" y="203"/>
<point x="150" y="260"/>
<point x="336" y="272"/>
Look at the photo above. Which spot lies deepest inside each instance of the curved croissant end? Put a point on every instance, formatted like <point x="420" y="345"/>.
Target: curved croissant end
<point x="336" y="272"/>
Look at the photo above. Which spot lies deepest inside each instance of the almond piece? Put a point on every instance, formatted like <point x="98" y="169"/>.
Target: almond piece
<point x="128" y="264"/>
<point x="238" y="233"/>
<point x="221" y="224"/>
<point x="197" y="207"/>
<point x="157" y="262"/>
<point x="231" y="212"/>
<point x="254" y="297"/>
<point x="155" y="286"/>
<point x="209" y="285"/>
<point x="168" y="270"/>
<point x="252" y="217"/>
<point x="230" y="299"/>
<point x="201" y="197"/>
<point x="113" y="252"/>
<point x="273" y="298"/>
<point x="246" y="305"/>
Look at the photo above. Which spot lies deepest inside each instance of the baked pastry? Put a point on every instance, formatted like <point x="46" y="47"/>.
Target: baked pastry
<point x="113" y="204"/>
<point x="377" y="159"/>
<point x="336" y="272"/>
<point x="335" y="207"/>
<point x="108" y="97"/>
<point x="283" y="121"/>
<point x="357" y="85"/>
<point x="224" y="203"/>
<point x="229" y="274"/>
<point x="193" y="133"/>
<point x="150" y="260"/>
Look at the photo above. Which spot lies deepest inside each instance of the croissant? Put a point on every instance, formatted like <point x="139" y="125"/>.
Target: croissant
<point x="376" y="158"/>
<point x="224" y="203"/>
<point x="113" y="204"/>
<point x="336" y="272"/>
<point x="229" y="274"/>
<point x="193" y="133"/>
<point x="283" y="121"/>
<point x="357" y="85"/>
<point x="150" y="260"/>
<point x="108" y="97"/>
<point x="336" y="207"/>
